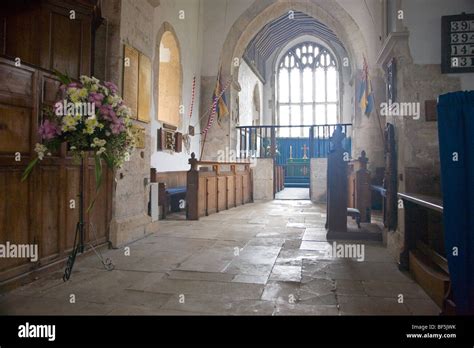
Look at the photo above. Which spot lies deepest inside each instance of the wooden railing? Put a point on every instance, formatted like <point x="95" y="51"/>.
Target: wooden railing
<point x="262" y="141"/>
<point x="216" y="186"/>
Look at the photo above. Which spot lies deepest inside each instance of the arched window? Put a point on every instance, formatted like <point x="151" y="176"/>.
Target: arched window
<point x="169" y="80"/>
<point x="307" y="88"/>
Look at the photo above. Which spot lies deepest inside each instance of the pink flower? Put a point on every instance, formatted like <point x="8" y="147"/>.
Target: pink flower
<point x="48" y="130"/>
<point x="96" y="98"/>
<point x="104" y="111"/>
<point x="74" y="85"/>
<point x="117" y="126"/>
<point x="111" y="86"/>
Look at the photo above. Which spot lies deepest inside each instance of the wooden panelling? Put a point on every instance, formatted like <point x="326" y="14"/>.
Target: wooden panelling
<point x="171" y="179"/>
<point x="211" y="201"/>
<point x="50" y="202"/>
<point x="37" y="211"/>
<point x="17" y="85"/>
<point x="211" y="190"/>
<point x="230" y="192"/>
<point x="72" y="215"/>
<point x="222" y="193"/>
<point x="50" y="90"/>
<point x="21" y="36"/>
<point x="45" y="36"/>
<point x="246" y="188"/>
<point x="238" y="189"/>
<point x="279" y="182"/>
<point x="13" y="214"/>
<point x="66" y="44"/>
<point x="202" y="197"/>
<point x="14" y="129"/>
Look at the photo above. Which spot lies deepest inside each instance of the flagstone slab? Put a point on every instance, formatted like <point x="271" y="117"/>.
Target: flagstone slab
<point x="305" y="309"/>
<point x="286" y="273"/>
<point x="268" y="258"/>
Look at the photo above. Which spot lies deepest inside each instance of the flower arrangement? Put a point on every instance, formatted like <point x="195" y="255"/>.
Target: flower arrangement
<point x="89" y="116"/>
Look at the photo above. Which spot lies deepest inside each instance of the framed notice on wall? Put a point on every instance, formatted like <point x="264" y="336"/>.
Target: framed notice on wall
<point x="457" y="43"/>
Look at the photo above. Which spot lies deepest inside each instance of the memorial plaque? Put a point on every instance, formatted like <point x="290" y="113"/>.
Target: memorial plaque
<point x="139" y="133"/>
<point x="130" y="79"/>
<point x="144" y="88"/>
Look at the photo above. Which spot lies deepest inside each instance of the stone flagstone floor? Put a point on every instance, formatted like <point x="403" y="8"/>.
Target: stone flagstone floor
<point x="259" y="259"/>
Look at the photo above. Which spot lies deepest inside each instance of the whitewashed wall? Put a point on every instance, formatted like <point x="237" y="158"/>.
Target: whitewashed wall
<point x="190" y="39"/>
<point x="248" y="80"/>
<point x="423" y="20"/>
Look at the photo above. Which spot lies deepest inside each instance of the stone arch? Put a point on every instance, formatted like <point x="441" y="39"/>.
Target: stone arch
<point x="261" y="12"/>
<point x="172" y="73"/>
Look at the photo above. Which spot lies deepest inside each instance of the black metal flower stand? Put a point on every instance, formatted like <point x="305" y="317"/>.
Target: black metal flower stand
<point x="79" y="246"/>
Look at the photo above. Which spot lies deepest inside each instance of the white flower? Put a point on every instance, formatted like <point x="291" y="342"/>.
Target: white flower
<point x="101" y="151"/>
<point x="86" y="80"/>
<point x="124" y="111"/>
<point x="40" y="149"/>
<point x="113" y="100"/>
<point x="98" y="143"/>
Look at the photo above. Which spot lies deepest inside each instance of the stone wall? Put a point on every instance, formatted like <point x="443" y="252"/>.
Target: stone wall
<point x="318" y="179"/>
<point x="130" y="22"/>
<point x="137" y="23"/>
<point x="419" y="79"/>
<point x="263" y="179"/>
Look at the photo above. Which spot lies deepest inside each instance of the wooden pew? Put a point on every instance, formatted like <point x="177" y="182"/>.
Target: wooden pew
<point x="359" y="187"/>
<point x="363" y="194"/>
<point x="216" y="186"/>
<point x="279" y="181"/>
<point x="171" y="187"/>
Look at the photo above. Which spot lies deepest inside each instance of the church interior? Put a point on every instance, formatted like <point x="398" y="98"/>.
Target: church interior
<point x="244" y="157"/>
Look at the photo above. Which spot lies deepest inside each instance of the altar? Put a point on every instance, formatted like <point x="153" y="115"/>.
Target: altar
<point x="297" y="169"/>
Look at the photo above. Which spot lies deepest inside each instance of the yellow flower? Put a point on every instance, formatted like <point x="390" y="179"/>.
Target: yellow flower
<point x="74" y="97"/>
<point x="91" y="124"/>
<point x="83" y="93"/>
<point x="69" y="123"/>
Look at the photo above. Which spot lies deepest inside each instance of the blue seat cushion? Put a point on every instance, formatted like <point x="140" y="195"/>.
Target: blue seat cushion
<point x="176" y="190"/>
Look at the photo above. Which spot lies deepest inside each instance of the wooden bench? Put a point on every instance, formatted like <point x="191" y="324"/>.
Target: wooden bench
<point x="170" y="198"/>
<point x="171" y="189"/>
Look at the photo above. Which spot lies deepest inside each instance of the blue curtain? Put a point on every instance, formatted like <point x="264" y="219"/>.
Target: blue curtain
<point x="456" y="143"/>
